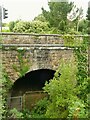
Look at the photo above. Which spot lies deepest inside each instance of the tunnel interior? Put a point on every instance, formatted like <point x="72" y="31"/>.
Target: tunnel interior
<point x="32" y="81"/>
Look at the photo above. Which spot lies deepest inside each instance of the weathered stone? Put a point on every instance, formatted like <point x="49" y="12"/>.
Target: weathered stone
<point x="45" y="55"/>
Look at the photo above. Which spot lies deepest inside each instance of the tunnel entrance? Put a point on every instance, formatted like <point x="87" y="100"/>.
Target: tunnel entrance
<point x="32" y="81"/>
<point x="29" y="89"/>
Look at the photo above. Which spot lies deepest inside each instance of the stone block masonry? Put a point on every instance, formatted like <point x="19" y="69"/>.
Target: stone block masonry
<point x="41" y="51"/>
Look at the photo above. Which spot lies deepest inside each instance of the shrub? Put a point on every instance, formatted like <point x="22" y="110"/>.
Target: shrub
<point x="62" y="91"/>
<point x="40" y="109"/>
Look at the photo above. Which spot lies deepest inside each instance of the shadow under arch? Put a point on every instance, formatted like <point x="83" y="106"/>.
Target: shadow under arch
<point x="32" y="81"/>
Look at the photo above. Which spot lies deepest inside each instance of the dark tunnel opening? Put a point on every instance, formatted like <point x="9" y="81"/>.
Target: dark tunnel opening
<point x="32" y="81"/>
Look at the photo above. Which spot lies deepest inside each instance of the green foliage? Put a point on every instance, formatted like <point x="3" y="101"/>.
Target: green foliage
<point x="5" y="27"/>
<point x="35" y="26"/>
<point x="11" y="26"/>
<point x="0" y="43"/>
<point x="19" y="27"/>
<point x="40" y="18"/>
<point x="54" y="30"/>
<point x="82" y="65"/>
<point x="88" y="13"/>
<point x="83" y="26"/>
<point x="24" y="65"/>
<point x="72" y="41"/>
<point x="1" y="102"/>
<point x="57" y="15"/>
<point x="77" y="109"/>
<point x="39" y="27"/>
<point x="4" y="24"/>
<point x="6" y="85"/>
<point x="61" y="90"/>
<point x="63" y="93"/>
<point x="14" y="113"/>
<point x="40" y="108"/>
<point x="88" y="18"/>
<point x="24" y="114"/>
<point x="68" y="91"/>
<point x="5" y="30"/>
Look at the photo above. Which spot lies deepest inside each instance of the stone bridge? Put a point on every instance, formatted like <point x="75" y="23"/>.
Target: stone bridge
<point x="42" y="54"/>
<point x="41" y="51"/>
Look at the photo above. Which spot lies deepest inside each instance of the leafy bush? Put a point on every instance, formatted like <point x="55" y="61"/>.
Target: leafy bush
<point x="11" y="26"/>
<point x="77" y="109"/>
<point x="35" y="26"/>
<point x="14" y="113"/>
<point x="54" y="30"/>
<point x="19" y="27"/>
<point x="40" y="109"/>
<point x="62" y="91"/>
<point x="6" y="85"/>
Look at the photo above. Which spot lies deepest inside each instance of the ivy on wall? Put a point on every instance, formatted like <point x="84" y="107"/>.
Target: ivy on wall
<point x="24" y="64"/>
<point x="80" y="45"/>
<point x="6" y="85"/>
<point x="72" y="40"/>
<point x="63" y="99"/>
<point x="81" y="54"/>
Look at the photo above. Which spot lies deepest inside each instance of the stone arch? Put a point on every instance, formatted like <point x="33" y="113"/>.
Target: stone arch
<point x="32" y="81"/>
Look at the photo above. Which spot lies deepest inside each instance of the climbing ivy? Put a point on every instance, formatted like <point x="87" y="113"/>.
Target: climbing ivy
<point x="62" y="91"/>
<point x="24" y="65"/>
<point x="6" y="85"/>
<point x="81" y="54"/>
<point x="71" y="40"/>
<point x="80" y="46"/>
<point x="68" y="92"/>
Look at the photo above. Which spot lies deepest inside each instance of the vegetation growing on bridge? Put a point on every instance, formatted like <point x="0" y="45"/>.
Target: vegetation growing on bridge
<point x="67" y="93"/>
<point x="24" y="65"/>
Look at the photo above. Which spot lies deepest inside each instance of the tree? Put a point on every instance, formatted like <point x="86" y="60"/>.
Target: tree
<point x="83" y="26"/>
<point x="88" y="17"/>
<point x="40" y="18"/>
<point x="4" y="24"/>
<point x="11" y="26"/>
<point x="57" y="15"/>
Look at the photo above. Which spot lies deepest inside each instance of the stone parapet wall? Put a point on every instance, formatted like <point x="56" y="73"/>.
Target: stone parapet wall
<point x="31" y="39"/>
